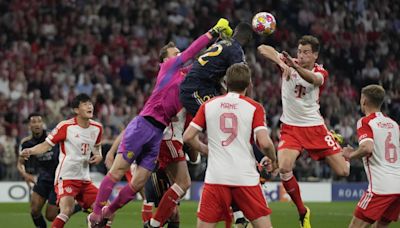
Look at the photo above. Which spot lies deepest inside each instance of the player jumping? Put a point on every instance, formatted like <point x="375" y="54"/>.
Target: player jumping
<point x="303" y="127"/>
<point x="142" y="137"/>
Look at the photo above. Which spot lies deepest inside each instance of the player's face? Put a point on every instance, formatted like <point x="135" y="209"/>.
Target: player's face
<point x="36" y="124"/>
<point x="172" y="52"/>
<point x="85" y="110"/>
<point x="306" y="56"/>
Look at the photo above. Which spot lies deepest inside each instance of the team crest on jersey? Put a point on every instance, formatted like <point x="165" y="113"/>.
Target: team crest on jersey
<point x="68" y="190"/>
<point x="130" y="154"/>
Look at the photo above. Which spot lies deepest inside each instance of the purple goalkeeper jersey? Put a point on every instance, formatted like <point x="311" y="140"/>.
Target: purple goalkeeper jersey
<point x="163" y="104"/>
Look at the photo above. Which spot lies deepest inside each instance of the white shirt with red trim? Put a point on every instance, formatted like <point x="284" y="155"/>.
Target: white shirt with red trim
<point x="174" y="131"/>
<point x="383" y="166"/>
<point x="300" y="99"/>
<point x="76" y="146"/>
<point x="231" y="120"/>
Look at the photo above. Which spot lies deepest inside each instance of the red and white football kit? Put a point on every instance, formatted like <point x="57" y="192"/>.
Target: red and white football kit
<point x="381" y="201"/>
<point x="231" y="175"/>
<point x="302" y="124"/>
<point x="76" y="146"/>
<point x="171" y="145"/>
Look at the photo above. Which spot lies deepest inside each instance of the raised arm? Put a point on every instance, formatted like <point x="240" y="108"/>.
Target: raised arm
<point x="271" y="54"/>
<point x="222" y="27"/>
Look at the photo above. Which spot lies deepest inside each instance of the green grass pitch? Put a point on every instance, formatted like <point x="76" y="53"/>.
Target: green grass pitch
<point x="326" y="215"/>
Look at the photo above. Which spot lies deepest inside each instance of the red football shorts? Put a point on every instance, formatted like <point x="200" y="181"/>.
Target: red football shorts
<point x="317" y="140"/>
<point x="170" y="152"/>
<point x="216" y="200"/>
<point x="83" y="191"/>
<point x="372" y="207"/>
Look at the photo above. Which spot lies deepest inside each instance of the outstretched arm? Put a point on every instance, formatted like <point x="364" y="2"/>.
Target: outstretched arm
<point x="221" y="28"/>
<point x="38" y="149"/>
<point x="271" y="54"/>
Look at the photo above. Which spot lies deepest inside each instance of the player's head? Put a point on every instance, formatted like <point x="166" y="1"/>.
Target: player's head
<point x="243" y="33"/>
<point x="307" y="51"/>
<point x="83" y="106"/>
<point x="35" y="123"/>
<point x="168" y="51"/>
<point x="238" y="77"/>
<point x="372" y="97"/>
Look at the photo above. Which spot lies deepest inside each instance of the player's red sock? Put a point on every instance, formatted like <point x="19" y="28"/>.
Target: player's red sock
<point x="147" y="211"/>
<point x="167" y="204"/>
<point x="60" y="220"/>
<point x="293" y="189"/>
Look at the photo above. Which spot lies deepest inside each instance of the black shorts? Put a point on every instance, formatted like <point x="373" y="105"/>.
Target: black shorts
<point x="45" y="188"/>
<point x="192" y="100"/>
<point x="156" y="186"/>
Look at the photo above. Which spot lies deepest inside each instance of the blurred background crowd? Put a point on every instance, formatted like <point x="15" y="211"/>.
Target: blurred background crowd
<point x="52" y="50"/>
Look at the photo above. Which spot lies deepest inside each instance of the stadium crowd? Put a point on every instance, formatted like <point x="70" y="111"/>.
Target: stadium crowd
<point x="51" y="51"/>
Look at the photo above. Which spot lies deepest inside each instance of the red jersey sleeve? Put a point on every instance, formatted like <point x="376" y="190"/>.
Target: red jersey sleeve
<point x="58" y="134"/>
<point x="259" y="118"/>
<point x="364" y="131"/>
<point x="199" y="121"/>
<point x="319" y="70"/>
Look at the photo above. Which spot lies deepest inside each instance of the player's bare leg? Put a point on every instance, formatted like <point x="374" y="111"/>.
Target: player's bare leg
<point x="381" y="224"/>
<point x="358" y="223"/>
<point x="262" y="222"/>
<point x="286" y="160"/>
<point x="51" y="212"/>
<point x="180" y="174"/>
<point x="37" y="203"/>
<point x="338" y="164"/>
<point x="202" y="224"/>
<point x="67" y="205"/>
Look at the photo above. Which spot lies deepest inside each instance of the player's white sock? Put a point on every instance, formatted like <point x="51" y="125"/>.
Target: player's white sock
<point x="237" y="215"/>
<point x="154" y="223"/>
<point x="286" y="176"/>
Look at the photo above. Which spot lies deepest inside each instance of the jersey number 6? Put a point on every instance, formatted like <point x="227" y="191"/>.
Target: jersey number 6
<point x="231" y="128"/>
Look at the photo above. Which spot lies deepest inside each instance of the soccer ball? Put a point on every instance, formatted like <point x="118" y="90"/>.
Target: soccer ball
<point x="264" y="23"/>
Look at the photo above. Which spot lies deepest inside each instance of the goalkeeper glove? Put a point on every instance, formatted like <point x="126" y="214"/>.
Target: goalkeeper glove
<point x="337" y="137"/>
<point x="221" y="28"/>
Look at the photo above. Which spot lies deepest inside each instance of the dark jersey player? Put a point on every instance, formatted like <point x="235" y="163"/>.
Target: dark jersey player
<point x="45" y="166"/>
<point x="204" y="79"/>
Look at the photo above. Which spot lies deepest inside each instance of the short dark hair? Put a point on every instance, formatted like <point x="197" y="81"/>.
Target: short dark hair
<point x="164" y="51"/>
<point x="311" y="40"/>
<point x="238" y="77"/>
<point x="243" y="32"/>
<point x="33" y="114"/>
<point x="375" y="95"/>
<point x="80" y="98"/>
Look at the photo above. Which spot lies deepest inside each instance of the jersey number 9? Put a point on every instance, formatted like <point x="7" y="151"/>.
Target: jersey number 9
<point x="231" y="128"/>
